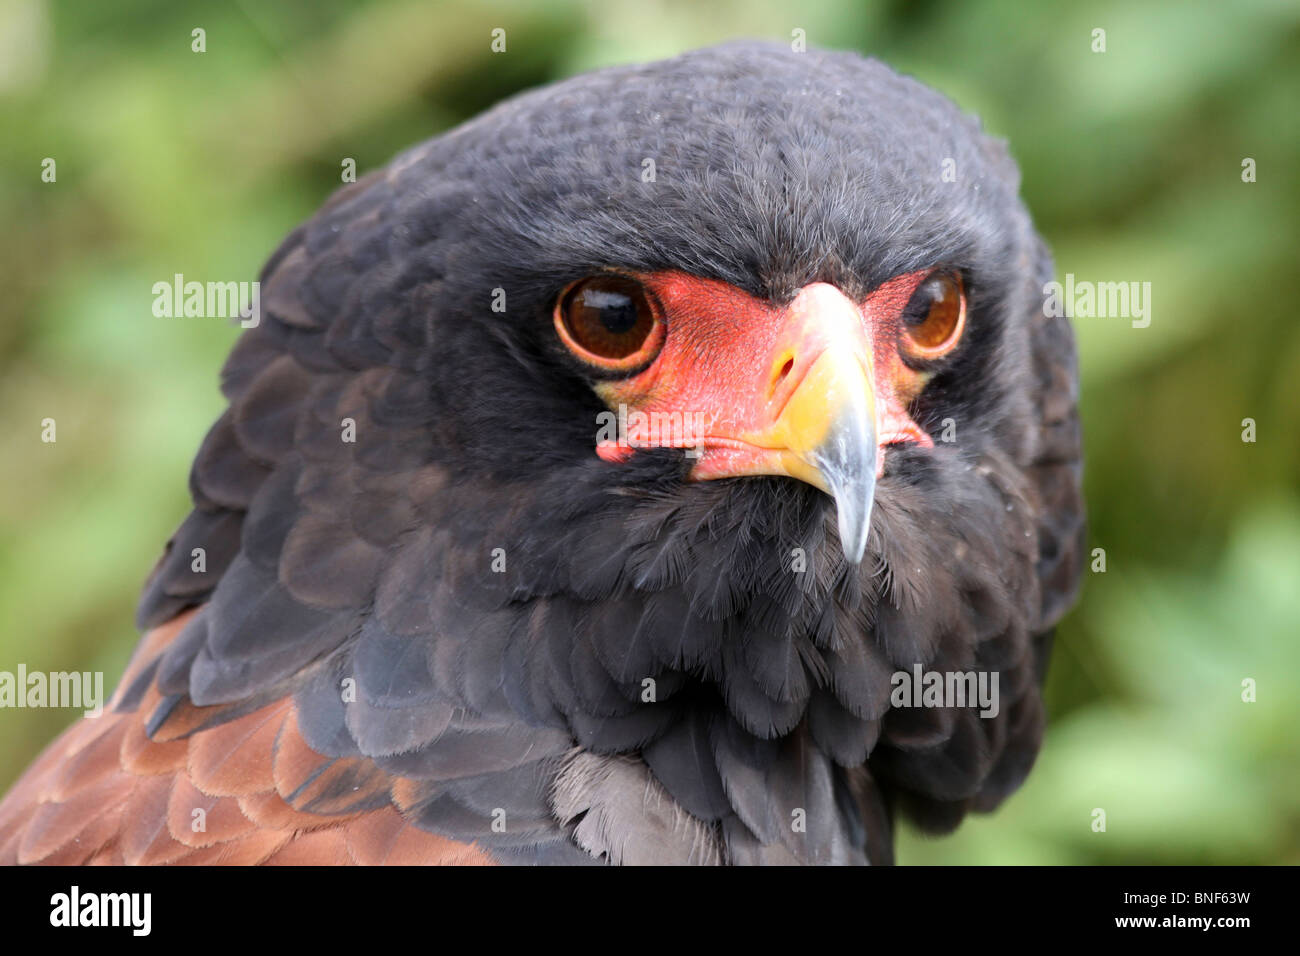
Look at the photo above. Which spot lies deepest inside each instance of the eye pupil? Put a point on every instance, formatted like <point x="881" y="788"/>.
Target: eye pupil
<point x="615" y="311"/>
<point x="607" y="321"/>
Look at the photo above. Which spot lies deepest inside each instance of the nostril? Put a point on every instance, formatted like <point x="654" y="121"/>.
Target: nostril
<point x="776" y="384"/>
<point x="774" y="387"/>
<point x="779" y="379"/>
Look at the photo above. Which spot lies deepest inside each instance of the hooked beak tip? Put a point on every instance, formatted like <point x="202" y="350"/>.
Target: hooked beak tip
<point x="846" y="463"/>
<point x="855" y="525"/>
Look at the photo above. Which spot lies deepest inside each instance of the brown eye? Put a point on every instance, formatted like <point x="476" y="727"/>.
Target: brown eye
<point x="609" y="321"/>
<point x="933" y="320"/>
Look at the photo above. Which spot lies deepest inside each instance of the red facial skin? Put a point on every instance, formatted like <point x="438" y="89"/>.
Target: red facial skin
<point x="729" y="363"/>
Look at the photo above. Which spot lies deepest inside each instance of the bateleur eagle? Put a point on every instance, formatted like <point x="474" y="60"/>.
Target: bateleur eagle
<point x="593" y="470"/>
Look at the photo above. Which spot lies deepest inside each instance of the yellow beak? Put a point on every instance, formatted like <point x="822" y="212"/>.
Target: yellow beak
<point x="822" y="409"/>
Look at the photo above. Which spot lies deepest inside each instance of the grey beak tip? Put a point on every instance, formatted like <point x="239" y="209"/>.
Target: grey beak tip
<point x="854" y="530"/>
<point x="847" y="461"/>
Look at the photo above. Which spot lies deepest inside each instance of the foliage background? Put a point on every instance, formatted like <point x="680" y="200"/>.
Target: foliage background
<point x="171" y="161"/>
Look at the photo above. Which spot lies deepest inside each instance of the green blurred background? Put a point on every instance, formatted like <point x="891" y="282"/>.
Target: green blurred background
<point x="174" y="161"/>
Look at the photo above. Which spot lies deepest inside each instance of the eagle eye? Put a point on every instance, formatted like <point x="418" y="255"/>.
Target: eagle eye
<point x="611" y="322"/>
<point x="933" y="320"/>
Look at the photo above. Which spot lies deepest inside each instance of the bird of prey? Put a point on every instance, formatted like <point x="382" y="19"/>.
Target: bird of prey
<point x="596" y="477"/>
